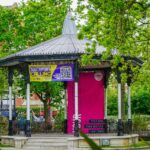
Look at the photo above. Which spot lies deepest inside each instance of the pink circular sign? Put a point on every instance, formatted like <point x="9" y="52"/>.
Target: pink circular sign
<point x="98" y="76"/>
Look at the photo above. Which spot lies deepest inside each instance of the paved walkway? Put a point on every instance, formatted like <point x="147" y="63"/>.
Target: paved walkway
<point x="47" y="142"/>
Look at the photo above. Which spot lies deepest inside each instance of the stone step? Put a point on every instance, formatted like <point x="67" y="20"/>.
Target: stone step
<point x="45" y="144"/>
<point x="46" y="140"/>
<point x="45" y="148"/>
<point x="49" y="137"/>
<point x="7" y="148"/>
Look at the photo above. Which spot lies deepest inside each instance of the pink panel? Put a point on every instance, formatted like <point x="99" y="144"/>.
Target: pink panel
<point x="70" y="88"/>
<point x="91" y="102"/>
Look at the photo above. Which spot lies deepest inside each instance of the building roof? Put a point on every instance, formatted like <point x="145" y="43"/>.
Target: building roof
<point x="34" y="101"/>
<point x="64" y="44"/>
<point x="69" y="26"/>
<point x="67" y="45"/>
<point x="64" y="47"/>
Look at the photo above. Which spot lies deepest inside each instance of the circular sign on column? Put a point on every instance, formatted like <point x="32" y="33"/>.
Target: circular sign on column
<point x="98" y="76"/>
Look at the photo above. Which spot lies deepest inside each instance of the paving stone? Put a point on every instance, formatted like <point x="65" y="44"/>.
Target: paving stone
<point x="46" y="143"/>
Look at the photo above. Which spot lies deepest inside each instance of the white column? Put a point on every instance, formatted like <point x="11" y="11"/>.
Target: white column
<point x="10" y="102"/>
<point x="66" y="103"/>
<point x="119" y="101"/>
<point x="28" y="101"/>
<point x="129" y="103"/>
<point x="105" y="103"/>
<point x="76" y="100"/>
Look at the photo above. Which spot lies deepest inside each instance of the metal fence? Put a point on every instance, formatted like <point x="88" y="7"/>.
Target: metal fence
<point x="112" y="128"/>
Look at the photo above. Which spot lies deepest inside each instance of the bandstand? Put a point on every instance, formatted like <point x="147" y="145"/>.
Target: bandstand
<point x="86" y="86"/>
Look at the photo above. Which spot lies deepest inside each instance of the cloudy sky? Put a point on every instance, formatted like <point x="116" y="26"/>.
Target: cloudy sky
<point x="10" y="2"/>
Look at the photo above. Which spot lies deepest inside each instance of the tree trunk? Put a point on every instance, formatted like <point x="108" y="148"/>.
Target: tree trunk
<point x="1" y="102"/>
<point x="46" y="112"/>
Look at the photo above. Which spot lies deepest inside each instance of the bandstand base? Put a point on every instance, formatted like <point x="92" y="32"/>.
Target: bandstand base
<point x="78" y="143"/>
<point x="70" y="142"/>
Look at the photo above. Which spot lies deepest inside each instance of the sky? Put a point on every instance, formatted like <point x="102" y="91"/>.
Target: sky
<point x="10" y="2"/>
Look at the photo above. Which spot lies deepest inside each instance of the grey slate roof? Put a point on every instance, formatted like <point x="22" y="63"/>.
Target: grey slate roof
<point x="64" y="47"/>
<point x="64" y="44"/>
<point x="67" y="43"/>
<point x="69" y="26"/>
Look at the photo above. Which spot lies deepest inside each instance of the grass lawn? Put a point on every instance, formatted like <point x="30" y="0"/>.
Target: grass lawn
<point x="138" y="145"/>
<point x="1" y="145"/>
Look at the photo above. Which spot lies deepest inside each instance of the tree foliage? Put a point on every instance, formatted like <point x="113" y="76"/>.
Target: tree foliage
<point x="50" y="93"/>
<point x="26" y="25"/>
<point x="123" y="28"/>
<point x="8" y="30"/>
<point x="123" y="25"/>
<point x="3" y="81"/>
<point x="30" y="23"/>
<point x="140" y="99"/>
<point x="120" y="26"/>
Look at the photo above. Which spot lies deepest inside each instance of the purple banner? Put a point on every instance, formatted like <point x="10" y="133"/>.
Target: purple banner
<point x="64" y="72"/>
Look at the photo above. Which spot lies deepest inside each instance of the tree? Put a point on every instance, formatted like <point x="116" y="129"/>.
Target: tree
<point x="8" y="30"/>
<point x="3" y="81"/>
<point x="121" y="26"/>
<point x="50" y="93"/>
<point x="42" y="20"/>
<point x="29" y="24"/>
<point x="141" y="98"/>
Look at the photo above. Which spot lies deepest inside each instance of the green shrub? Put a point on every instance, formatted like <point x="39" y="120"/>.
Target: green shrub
<point x="112" y="103"/>
<point x="22" y="110"/>
<point x="3" y="125"/>
<point x="59" y="119"/>
<point x="139" y="122"/>
<point x="141" y="102"/>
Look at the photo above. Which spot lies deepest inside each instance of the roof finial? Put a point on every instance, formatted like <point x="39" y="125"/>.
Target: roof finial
<point x="69" y="4"/>
<point x="69" y="26"/>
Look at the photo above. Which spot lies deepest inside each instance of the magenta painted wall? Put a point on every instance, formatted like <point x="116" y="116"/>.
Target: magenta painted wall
<point x="91" y="101"/>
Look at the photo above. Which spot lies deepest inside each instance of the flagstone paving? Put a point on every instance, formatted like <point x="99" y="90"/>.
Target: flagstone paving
<point x="47" y="142"/>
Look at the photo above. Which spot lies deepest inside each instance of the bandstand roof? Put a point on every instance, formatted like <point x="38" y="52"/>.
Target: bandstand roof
<point x="64" y="47"/>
